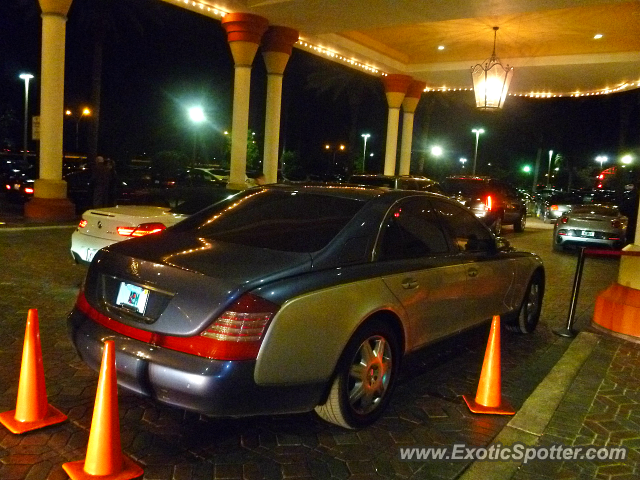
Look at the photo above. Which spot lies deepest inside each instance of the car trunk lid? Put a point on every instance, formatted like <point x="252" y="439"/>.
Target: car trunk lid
<point x="104" y="222"/>
<point x="186" y="282"/>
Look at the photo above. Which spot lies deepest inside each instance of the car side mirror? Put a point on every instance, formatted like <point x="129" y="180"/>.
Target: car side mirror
<point x="502" y="244"/>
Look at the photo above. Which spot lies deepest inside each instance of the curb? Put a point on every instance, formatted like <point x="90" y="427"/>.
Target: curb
<point x="528" y="425"/>
<point x="25" y="228"/>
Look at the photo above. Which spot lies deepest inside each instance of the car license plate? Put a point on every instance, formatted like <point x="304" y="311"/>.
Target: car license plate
<point x="91" y="252"/>
<point x="132" y="297"/>
<point x="587" y="233"/>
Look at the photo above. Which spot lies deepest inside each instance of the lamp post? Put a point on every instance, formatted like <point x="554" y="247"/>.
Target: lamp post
<point x="364" y="151"/>
<point x="549" y="169"/>
<point x="85" y="111"/>
<point x="339" y="147"/>
<point x="26" y="77"/>
<point x="196" y="114"/>
<point x="602" y="159"/>
<point x="463" y="161"/>
<point x="477" y="131"/>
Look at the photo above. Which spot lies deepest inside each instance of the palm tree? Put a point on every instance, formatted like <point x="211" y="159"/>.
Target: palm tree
<point x="346" y="85"/>
<point x="102" y="20"/>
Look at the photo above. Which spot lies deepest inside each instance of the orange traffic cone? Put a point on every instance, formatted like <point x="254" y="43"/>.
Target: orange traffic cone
<point x="489" y="397"/>
<point x="104" y="455"/>
<point x="32" y="410"/>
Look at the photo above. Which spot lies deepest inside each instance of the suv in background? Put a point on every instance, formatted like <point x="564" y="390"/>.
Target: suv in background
<point x="397" y="182"/>
<point x="495" y="202"/>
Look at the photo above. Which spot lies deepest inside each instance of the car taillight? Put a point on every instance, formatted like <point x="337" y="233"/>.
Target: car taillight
<point x="245" y="321"/>
<point x="553" y="207"/>
<point x="8" y="187"/>
<point x="82" y="224"/>
<point x="488" y="202"/>
<point x="141" y="230"/>
<point x="616" y="223"/>
<point x="235" y="335"/>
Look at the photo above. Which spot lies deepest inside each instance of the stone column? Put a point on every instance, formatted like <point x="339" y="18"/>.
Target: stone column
<point x="277" y="45"/>
<point x="409" y="105"/>
<point x="395" y="87"/>
<point x="244" y="31"/>
<point x="50" y="191"/>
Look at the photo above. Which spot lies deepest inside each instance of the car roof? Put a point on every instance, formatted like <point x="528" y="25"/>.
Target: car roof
<point x="355" y="192"/>
<point x="336" y="190"/>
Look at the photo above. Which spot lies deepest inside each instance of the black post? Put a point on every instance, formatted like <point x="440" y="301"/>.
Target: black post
<point x="568" y="331"/>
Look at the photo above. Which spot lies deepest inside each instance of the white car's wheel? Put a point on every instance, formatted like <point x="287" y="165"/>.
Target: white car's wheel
<point x="365" y="378"/>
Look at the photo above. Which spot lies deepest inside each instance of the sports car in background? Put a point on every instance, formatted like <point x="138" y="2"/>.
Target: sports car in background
<point x="293" y="298"/>
<point x="100" y="227"/>
<point x="591" y="226"/>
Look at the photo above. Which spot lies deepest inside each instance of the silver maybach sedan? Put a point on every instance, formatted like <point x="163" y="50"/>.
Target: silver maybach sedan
<point x="291" y="298"/>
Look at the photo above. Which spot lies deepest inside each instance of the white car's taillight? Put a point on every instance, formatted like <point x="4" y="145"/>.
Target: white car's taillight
<point x="141" y="230"/>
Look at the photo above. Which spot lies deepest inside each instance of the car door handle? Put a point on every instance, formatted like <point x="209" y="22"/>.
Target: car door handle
<point x="472" y="272"/>
<point x="409" y="283"/>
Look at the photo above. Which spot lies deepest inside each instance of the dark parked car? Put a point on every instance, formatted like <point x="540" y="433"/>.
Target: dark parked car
<point x="294" y="298"/>
<point x="494" y="202"/>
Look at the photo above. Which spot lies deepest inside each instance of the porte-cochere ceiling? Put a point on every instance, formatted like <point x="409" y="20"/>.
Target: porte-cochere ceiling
<point x="557" y="47"/>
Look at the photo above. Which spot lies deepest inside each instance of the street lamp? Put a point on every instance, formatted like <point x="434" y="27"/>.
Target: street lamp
<point x="602" y="159"/>
<point x="436" y="151"/>
<point x="196" y="114"/>
<point x="463" y="161"/>
<point x="26" y="77"/>
<point x="477" y="131"/>
<point x="339" y="147"/>
<point x="85" y="111"/>
<point x="549" y="169"/>
<point x="364" y="151"/>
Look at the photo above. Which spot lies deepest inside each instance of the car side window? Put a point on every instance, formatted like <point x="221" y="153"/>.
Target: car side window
<point x="412" y="230"/>
<point x="466" y="231"/>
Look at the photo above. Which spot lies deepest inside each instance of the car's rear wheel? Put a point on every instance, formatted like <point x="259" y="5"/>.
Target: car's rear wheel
<point x="364" y="379"/>
<point x="526" y="318"/>
<point x="496" y="228"/>
<point x="521" y="222"/>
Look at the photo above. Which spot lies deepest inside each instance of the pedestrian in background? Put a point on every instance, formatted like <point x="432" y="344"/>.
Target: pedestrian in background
<point x="100" y="181"/>
<point x="113" y="182"/>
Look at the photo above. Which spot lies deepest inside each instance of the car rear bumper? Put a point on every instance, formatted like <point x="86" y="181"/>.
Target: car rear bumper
<point x="84" y="247"/>
<point x="210" y="387"/>
<point x="572" y="241"/>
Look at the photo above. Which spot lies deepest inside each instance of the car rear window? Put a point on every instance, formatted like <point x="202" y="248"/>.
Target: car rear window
<point x="595" y="210"/>
<point x="464" y="187"/>
<point x="373" y="181"/>
<point x="277" y="220"/>
<point x="202" y="200"/>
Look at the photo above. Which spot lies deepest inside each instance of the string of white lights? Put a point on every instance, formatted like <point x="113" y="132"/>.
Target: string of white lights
<point x="355" y="63"/>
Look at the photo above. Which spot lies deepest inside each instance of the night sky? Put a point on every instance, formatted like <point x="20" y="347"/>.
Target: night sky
<point x="179" y="59"/>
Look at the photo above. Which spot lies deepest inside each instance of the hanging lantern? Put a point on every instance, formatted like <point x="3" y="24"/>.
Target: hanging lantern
<point x="491" y="80"/>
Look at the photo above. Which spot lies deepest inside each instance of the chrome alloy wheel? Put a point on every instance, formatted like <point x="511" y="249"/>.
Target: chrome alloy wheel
<point x="531" y="311"/>
<point x="369" y="374"/>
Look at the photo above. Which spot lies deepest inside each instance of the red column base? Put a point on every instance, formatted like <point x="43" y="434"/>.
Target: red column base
<point x="50" y="209"/>
<point x="618" y="309"/>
